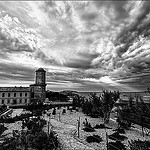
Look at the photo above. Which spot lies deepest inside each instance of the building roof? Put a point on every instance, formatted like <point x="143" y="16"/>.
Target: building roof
<point x="41" y="70"/>
<point x="15" y="89"/>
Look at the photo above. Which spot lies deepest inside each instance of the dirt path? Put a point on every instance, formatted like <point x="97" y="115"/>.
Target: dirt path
<point x="65" y="135"/>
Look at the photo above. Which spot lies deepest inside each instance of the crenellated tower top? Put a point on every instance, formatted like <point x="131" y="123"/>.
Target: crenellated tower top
<point x="40" y="77"/>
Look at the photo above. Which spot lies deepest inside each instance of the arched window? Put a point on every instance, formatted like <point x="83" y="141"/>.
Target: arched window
<point x="14" y="94"/>
<point x="20" y="94"/>
<point x="2" y="101"/>
<point x="3" y="94"/>
<point x="8" y="94"/>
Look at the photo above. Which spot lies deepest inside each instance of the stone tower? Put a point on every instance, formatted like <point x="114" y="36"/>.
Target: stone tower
<point x="38" y="90"/>
<point x="40" y="76"/>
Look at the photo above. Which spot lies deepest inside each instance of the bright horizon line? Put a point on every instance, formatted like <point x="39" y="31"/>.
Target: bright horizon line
<point x="82" y="91"/>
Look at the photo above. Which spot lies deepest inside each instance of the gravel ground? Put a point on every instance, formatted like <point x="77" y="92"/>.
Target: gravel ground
<point x="72" y="117"/>
<point x="12" y="126"/>
<point x="16" y="112"/>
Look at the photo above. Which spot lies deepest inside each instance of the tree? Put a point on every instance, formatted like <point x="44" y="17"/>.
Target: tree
<point x="148" y="89"/>
<point x="76" y="101"/>
<point x="108" y="99"/>
<point x="96" y="105"/>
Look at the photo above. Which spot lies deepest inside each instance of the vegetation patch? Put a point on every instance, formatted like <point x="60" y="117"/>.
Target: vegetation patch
<point x="16" y="118"/>
<point x="54" y="111"/>
<point x="94" y="138"/>
<point x="2" y="128"/>
<point x="139" y="145"/>
<point x="33" y="138"/>
<point x="87" y="126"/>
<point x="64" y="111"/>
<point x="97" y="106"/>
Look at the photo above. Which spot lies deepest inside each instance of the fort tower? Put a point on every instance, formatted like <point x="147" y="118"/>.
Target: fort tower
<point x="38" y="90"/>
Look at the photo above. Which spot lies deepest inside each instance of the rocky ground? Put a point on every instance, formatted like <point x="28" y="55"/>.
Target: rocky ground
<point x="13" y="126"/>
<point x="65" y="125"/>
<point x="71" y="118"/>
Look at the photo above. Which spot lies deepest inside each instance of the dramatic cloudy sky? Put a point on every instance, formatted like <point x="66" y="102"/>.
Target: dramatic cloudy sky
<point x="85" y="46"/>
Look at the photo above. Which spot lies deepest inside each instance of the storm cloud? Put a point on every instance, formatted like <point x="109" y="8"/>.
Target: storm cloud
<point x="83" y="45"/>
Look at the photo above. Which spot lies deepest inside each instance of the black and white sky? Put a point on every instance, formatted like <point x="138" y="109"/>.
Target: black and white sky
<point x="83" y="45"/>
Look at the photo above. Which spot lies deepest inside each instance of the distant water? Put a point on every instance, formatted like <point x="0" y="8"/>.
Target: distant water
<point x="127" y="94"/>
<point x="86" y="94"/>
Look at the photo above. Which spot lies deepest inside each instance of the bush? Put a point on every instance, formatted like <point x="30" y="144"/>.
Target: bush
<point x="124" y="124"/>
<point x="34" y="124"/>
<point x="116" y="146"/>
<point x="139" y="145"/>
<point x="88" y="127"/>
<point x="77" y="109"/>
<point x="94" y="138"/>
<point x="8" y="120"/>
<point x="21" y="117"/>
<point x="64" y="111"/>
<point x="2" y="128"/>
<point x="34" y="138"/>
<point x="54" y="112"/>
<point x="44" y="141"/>
<point x="74" y="108"/>
<point x="39" y="141"/>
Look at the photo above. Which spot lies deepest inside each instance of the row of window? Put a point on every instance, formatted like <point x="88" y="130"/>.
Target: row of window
<point x="3" y="94"/>
<point x="14" y="101"/>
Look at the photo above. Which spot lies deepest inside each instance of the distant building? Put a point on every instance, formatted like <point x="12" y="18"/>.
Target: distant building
<point x="14" y="95"/>
<point x="25" y="95"/>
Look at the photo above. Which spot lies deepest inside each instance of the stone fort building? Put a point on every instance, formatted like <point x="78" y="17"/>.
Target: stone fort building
<point x="25" y="95"/>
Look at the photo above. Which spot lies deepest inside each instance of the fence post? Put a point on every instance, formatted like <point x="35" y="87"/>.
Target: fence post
<point x="142" y="125"/>
<point x="49" y="122"/>
<point x="106" y="141"/>
<point x="48" y="127"/>
<point x="78" y="127"/>
<point x="59" y="115"/>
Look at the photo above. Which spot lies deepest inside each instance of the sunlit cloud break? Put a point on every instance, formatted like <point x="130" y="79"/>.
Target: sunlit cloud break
<point x="104" y="79"/>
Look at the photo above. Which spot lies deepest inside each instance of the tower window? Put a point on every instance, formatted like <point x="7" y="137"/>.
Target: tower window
<point x="3" y="94"/>
<point x="8" y="101"/>
<point x="25" y="94"/>
<point x="14" y="94"/>
<point x="8" y="94"/>
<point x="20" y="101"/>
<point x="20" y="94"/>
